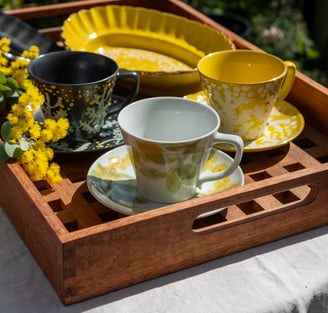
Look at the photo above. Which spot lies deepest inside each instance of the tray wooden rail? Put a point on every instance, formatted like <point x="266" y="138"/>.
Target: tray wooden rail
<point x="86" y="249"/>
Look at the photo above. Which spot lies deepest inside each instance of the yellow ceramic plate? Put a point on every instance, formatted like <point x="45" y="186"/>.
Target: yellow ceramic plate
<point x="285" y="124"/>
<point x="164" y="48"/>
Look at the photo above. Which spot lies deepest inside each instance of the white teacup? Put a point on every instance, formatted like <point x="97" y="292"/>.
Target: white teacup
<point x="169" y="139"/>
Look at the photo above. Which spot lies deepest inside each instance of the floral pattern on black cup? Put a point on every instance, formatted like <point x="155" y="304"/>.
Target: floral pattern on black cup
<point x="79" y="85"/>
<point x="84" y="106"/>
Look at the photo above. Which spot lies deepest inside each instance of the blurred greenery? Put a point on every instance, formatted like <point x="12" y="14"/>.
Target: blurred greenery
<point x="278" y="27"/>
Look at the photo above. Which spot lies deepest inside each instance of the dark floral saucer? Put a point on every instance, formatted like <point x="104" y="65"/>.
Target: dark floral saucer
<point x="109" y="137"/>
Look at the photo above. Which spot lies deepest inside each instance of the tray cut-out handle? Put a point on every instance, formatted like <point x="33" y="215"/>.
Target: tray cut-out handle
<point x="262" y="198"/>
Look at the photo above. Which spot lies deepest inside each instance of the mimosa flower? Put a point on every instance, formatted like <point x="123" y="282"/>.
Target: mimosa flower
<point x="25" y="138"/>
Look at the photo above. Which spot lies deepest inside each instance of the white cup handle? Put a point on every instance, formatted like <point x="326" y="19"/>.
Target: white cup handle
<point x="238" y="143"/>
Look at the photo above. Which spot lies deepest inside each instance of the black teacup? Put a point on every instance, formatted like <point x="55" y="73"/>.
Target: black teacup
<point x="79" y="85"/>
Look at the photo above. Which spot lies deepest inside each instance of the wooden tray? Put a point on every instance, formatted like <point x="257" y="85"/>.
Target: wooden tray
<point x="86" y="249"/>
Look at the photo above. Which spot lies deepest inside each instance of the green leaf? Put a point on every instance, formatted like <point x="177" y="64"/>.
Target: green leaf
<point x="3" y="78"/>
<point x="12" y="83"/>
<point x="6" y="131"/>
<point x="18" y="153"/>
<point x="3" y="155"/>
<point x="5" y="88"/>
<point x="10" y="149"/>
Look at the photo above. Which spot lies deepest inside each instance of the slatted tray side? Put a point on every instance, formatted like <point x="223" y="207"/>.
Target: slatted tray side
<point x="74" y="205"/>
<point x="71" y="200"/>
<point x="128" y="250"/>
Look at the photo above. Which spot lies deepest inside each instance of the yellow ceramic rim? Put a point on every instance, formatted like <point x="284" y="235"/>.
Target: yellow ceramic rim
<point x="203" y="61"/>
<point x="190" y="35"/>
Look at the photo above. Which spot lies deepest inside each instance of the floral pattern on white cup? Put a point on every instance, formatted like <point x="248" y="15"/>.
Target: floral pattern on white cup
<point x="175" y="166"/>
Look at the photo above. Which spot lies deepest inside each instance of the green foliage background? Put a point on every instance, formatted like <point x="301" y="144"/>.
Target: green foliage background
<point x="278" y="27"/>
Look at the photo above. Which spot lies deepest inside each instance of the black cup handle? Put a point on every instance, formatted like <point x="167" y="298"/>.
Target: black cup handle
<point x="135" y="89"/>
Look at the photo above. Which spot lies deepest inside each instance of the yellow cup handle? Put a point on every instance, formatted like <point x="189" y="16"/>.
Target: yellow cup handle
<point x="288" y="82"/>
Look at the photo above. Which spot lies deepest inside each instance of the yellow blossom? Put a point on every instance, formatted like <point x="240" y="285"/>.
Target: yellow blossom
<point x="46" y="135"/>
<point x="32" y="53"/>
<point x="61" y="129"/>
<point x="16" y="133"/>
<point x="3" y="61"/>
<point x="5" y="44"/>
<point x="36" y="163"/>
<point x="50" y="153"/>
<point x="12" y="118"/>
<point x="50" y="124"/>
<point x="53" y="173"/>
<point x="35" y="131"/>
<point x="17" y="109"/>
<point x="37" y="159"/>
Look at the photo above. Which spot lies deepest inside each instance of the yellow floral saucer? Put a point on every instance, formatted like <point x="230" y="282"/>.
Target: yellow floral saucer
<point x="284" y="125"/>
<point x="111" y="180"/>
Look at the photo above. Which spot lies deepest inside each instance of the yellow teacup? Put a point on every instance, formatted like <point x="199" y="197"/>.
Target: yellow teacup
<point x="242" y="86"/>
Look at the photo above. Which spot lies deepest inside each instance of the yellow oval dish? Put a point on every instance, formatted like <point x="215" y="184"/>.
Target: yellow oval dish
<point x="163" y="48"/>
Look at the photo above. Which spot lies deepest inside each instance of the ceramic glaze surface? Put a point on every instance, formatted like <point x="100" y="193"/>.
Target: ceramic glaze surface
<point x="175" y="168"/>
<point x="169" y="120"/>
<point x="244" y="109"/>
<point x="164" y="48"/>
<point x="79" y="86"/>
<point x="111" y="180"/>
<point x="80" y="105"/>
<point x="168" y="140"/>
<point x="242" y="67"/>
<point x="141" y="59"/>
<point x="109" y="136"/>
<point x="284" y="124"/>
<point x="242" y="86"/>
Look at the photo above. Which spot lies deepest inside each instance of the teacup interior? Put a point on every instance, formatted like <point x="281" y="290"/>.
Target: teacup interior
<point x="168" y="119"/>
<point x="67" y="67"/>
<point x="241" y="67"/>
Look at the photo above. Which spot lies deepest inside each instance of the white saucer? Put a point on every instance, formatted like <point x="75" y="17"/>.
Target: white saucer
<point x="285" y="123"/>
<point x="111" y="180"/>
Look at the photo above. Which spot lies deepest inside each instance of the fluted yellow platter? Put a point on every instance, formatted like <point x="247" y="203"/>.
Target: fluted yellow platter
<point x="163" y="48"/>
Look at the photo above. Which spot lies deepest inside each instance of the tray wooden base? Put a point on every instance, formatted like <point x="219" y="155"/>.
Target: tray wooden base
<point x="86" y="249"/>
